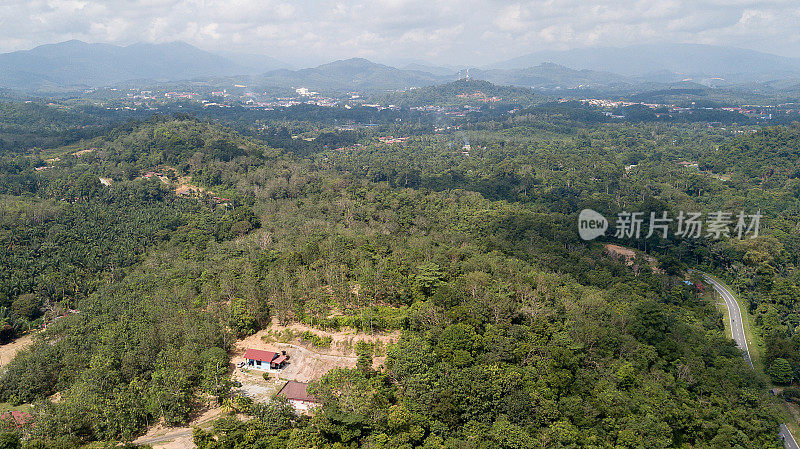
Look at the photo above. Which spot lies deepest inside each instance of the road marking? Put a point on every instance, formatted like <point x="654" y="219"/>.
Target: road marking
<point x="793" y="443"/>
<point x="737" y="331"/>
<point x="733" y="306"/>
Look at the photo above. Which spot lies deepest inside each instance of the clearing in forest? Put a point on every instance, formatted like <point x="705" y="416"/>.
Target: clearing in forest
<point x="9" y="350"/>
<point x="629" y="256"/>
<point x="307" y="362"/>
<point x="160" y="436"/>
<point x="82" y="152"/>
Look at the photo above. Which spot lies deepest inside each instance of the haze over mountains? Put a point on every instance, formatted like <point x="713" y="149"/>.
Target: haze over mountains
<point x="352" y="74"/>
<point x="685" y="59"/>
<point x="74" y="65"/>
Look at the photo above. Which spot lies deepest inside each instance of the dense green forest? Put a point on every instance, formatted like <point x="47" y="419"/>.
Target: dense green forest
<point x="515" y="332"/>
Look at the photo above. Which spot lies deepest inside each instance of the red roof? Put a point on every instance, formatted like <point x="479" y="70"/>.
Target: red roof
<point x="257" y="354"/>
<point x="297" y="391"/>
<point x="17" y="417"/>
<point x="279" y="360"/>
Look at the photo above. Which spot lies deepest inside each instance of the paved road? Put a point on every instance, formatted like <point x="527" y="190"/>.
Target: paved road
<point x="734" y="316"/>
<point x="737" y="331"/>
<point x="788" y="439"/>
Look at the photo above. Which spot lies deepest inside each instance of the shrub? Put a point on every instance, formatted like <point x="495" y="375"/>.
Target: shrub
<point x="316" y="340"/>
<point x="780" y="371"/>
<point x="792" y="394"/>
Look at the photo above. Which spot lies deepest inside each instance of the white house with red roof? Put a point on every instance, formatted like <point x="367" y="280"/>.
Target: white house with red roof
<point x="264" y="360"/>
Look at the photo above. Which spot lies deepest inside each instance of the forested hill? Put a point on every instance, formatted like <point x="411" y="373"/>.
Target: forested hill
<point x="771" y="156"/>
<point x="462" y="91"/>
<point x="515" y="333"/>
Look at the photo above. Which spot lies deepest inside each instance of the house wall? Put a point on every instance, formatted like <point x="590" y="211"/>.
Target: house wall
<point x="302" y="406"/>
<point x="251" y="364"/>
<point x="265" y="366"/>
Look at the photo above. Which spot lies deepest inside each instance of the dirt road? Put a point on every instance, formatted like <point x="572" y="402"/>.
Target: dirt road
<point x="160" y="437"/>
<point x="9" y="350"/>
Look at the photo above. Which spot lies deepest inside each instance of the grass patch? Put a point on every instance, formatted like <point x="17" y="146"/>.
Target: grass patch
<point x="726" y="316"/>
<point x="793" y="427"/>
<point x="7" y="407"/>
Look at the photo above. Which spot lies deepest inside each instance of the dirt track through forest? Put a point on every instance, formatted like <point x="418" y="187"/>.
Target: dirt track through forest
<point x="9" y="350"/>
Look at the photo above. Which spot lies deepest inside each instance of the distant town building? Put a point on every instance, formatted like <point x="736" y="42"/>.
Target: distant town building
<point x="392" y="139"/>
<point x="305" y="92"/>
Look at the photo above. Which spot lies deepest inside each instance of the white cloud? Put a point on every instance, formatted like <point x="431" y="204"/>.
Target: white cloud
<point x="449" y="31"/>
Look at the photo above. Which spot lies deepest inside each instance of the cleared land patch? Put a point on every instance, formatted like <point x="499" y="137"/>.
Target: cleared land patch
<point x="9" y="350"/>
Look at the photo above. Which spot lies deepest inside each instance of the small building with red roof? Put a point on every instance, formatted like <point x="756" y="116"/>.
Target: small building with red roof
<point x="298" y="396"/>
<point x="264" y="360"/>
<point x="16" y="419"/>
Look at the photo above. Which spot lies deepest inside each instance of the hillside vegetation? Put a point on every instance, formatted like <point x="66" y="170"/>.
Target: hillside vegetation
<point x="515" y="333"/>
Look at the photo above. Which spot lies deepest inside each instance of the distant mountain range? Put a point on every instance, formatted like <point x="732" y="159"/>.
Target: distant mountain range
<point x="254" y="64"/>
<point x="75" y="65"/>
<point x="674" y="61"/>
<point x="551" y="76"/>
<point x="351" y="74"/>
<point x="359" y="74"/>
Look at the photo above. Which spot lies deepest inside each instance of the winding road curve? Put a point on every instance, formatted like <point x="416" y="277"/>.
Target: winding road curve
<point x="734" y="316"/>
<point x="737" y="332"/>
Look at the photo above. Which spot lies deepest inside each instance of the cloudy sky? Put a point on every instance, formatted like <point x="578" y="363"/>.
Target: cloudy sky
<point x="446" y="32"/>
